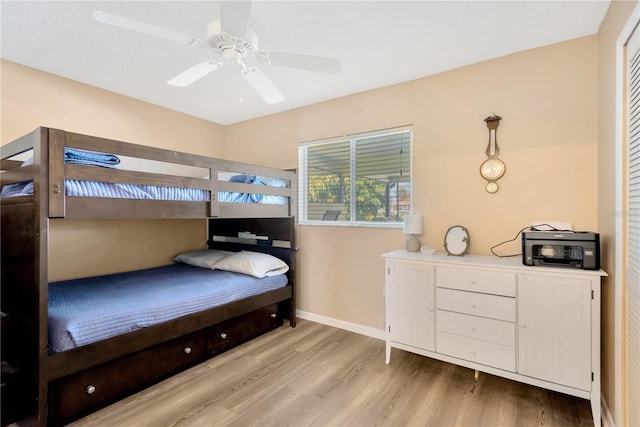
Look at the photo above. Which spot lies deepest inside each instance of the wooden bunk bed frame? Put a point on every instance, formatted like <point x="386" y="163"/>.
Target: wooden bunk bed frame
<point x="55" y="389"/>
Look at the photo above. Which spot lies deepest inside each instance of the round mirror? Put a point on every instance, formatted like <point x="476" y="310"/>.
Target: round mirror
<point x="456" y="241"/>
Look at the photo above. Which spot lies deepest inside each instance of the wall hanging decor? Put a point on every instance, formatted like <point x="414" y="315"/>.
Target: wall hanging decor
<point x="493" y="168"/>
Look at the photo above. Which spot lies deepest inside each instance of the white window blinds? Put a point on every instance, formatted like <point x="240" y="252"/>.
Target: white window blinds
<point x="362" y="179"/>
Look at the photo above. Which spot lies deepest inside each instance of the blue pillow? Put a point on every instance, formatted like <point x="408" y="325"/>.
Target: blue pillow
<point x="245" y="179"/>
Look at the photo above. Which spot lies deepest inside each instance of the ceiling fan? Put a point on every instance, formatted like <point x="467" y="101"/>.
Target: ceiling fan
<point x="234" y="43"/>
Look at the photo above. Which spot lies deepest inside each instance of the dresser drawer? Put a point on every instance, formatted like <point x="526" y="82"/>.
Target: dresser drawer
<point x="491" y="306"/>
<point x="478" y="351"/>
<point x="230" y="333"/>
<point x="78" y="393"/>
<point x="469" y="279"/>
<point x="481" y="328"/>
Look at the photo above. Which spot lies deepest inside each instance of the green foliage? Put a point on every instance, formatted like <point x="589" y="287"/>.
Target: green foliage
<point x="325" y="189"/>
<point x="372" y="196"/>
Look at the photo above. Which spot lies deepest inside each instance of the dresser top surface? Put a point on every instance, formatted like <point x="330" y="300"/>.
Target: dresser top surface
<point x="470" y="260"/>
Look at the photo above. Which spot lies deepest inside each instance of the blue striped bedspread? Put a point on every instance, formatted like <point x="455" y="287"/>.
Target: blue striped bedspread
<point x="114" y="190"/>
<point x="84" y="311"/>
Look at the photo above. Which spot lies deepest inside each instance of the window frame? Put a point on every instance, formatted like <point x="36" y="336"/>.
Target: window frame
<point x="303" y="178"/>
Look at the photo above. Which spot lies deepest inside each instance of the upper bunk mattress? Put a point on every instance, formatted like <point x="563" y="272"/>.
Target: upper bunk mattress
<point x="84" y="311"/>
<point x="112" y="190"/>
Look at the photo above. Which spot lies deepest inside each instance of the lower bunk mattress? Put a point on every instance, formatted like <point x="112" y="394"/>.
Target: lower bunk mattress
<point x="84" y="311"/>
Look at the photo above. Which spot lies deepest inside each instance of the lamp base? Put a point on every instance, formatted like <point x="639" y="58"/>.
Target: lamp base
<point x="412" y="244"/>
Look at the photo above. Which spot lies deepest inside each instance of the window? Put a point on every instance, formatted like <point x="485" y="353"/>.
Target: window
<point x="362" y="179"/>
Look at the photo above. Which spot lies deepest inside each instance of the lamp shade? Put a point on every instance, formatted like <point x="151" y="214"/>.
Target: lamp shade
<point x="413" y="224"/>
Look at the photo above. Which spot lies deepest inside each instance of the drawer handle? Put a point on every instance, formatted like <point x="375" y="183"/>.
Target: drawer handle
<point x="90" y="389"/>
<point x="472" y="328"/>
<point x="223" y="336"/>
<point x="273" y="315"/>
<point x="473" y="282"/>
<point x="187" y="350"/>
<point x="474" y="306"/>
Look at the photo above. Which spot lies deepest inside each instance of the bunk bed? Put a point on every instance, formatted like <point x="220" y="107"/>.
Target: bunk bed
<point x="59" y="384"/>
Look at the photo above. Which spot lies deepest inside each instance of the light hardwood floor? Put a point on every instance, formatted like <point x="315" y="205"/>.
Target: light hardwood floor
<point x="316" y="375"/>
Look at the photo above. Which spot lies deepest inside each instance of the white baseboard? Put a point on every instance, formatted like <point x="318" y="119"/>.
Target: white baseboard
<point x="607" y="418"/>
<point x="347" y="326"/>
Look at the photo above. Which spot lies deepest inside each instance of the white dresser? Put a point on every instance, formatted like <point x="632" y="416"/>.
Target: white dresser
<point x="537" y="325"/>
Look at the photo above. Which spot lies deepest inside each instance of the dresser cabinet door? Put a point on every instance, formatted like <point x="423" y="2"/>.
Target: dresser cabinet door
<point x="410" y="304"/>
<point x="554" y="324"/>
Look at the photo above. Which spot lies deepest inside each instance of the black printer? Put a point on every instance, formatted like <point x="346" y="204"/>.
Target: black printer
<point x="573" y="249"/>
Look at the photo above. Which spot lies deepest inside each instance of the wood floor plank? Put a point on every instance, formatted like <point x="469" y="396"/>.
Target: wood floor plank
<point x="316" y="375"/>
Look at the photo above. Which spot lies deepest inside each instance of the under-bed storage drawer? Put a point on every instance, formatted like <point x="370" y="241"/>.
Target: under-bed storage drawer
<point x="235" y="331"/>
<point x="73" y="395"/>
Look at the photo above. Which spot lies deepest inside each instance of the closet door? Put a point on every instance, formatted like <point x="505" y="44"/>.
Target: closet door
<point x="631" y="226"/>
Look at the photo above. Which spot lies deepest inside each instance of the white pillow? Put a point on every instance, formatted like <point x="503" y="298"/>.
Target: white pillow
<point x="205" y="259"/>
<point x="273" y="200"/>
<point x="254" y="264"/>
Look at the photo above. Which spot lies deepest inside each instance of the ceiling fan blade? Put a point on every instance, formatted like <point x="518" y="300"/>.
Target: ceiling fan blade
<point x="261" y="84"/>
<point x="321" y="64"/>
<point x="195" y="73"/>
<point x="130" y="24"/>
<point x="234" y="17"/>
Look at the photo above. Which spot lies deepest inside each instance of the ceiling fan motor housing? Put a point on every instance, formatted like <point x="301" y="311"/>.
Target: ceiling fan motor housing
<point x="229" y="46"/>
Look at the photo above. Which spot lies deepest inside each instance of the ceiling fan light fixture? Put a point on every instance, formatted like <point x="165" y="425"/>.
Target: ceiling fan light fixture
<point x="230" y="54"/>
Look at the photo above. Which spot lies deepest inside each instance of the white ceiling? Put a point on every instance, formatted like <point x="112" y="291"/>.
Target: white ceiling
<point x="380" y="43"/>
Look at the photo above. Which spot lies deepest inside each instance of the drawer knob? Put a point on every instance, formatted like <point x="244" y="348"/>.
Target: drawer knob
<point x="90" y="389"/>
<point x="474" y="306"/>
<point x="273" y="315"/>
<point x="187" y="350"/>
<point x="472" y="328"/>
<point x="223" y="336"/>
<point x="473" y="282"/>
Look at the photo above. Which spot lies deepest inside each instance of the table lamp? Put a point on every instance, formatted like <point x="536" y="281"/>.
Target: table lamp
<point x="412" y="227"/>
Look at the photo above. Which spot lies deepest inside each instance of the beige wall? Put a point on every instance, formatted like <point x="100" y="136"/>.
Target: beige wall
<point x="616" y="18"/>
<point x="32" y="98"/>
<point x="548" y="100"/>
